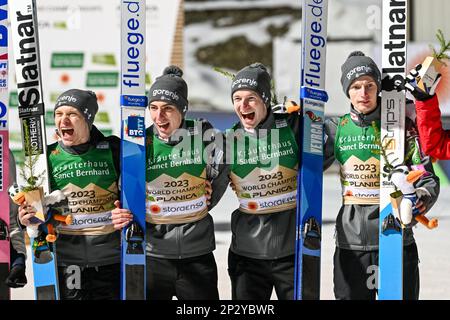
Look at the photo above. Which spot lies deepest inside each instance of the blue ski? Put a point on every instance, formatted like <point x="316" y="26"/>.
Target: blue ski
<point x="390" y="272"/>
<point x="24" y="26"/>
<point x="309" y="195"/>
<point x="4" y="155"/>
<point x="133" y="103"/>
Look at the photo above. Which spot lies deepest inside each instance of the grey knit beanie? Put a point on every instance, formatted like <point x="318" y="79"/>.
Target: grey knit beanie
<point x="357" y="65"/>
<point x="83" y="100"/>
<point x="256" y="78"/>
<point x="170" y="87"/>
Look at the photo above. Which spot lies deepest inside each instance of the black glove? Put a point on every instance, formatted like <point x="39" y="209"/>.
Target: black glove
<point x="16" y="277"/>
<point x="411" y="81"/>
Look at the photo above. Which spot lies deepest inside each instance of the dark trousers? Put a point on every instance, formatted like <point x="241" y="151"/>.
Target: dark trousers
<point x="94" y="283"/>
<point x="353" y="271"/>
<point x="254" y="279"/>
<point x="187" y="279"/>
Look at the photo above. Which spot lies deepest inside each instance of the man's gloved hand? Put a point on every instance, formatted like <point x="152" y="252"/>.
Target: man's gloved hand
<point x="411" y="84"/>
<point x="288" y="106"/>
<point x="424" y="197"/>
<point x="16" y="277"/>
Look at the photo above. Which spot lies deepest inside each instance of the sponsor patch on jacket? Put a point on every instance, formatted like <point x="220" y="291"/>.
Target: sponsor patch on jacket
<point x="193" y="130"/>
<point x="281" y="123"/>
<point x="103" y="145"/>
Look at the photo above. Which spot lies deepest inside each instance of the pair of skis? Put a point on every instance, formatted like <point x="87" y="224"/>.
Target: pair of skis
<point x="313" y="97"/>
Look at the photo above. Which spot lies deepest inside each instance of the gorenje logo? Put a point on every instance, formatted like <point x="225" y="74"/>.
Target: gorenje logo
<point x="245" y="82"/>
<point x="66" y="99"/>
<point x="170" y="94"/>
<point x="359" y="70"/>
<point x="27" y="57"/>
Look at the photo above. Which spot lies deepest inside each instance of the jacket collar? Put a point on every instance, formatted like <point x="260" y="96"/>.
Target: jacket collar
<point x="95" y="137"/>
<point x="174" y="138"/>
<point x="365" y="120"/>
<point x="266" y="125"/>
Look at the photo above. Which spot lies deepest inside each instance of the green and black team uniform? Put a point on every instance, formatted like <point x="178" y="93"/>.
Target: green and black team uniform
<point x="180" y="231"/>
<point x="263" y="169"/>
<point x="351" y="141"/>
<point x="88" y="250"/>
<point x="264" y="173"/>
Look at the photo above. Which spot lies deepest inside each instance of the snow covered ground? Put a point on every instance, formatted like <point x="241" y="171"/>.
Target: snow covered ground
<point x="433" y="247"/>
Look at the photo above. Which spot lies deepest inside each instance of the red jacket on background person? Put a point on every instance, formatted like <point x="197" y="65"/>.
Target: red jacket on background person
<point x="435" y="141"/>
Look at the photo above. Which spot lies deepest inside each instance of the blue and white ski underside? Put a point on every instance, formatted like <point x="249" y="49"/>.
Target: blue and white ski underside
<point x="133" y="103"/>
<point x="309" y="196"/>
<point x="394" y="42"/>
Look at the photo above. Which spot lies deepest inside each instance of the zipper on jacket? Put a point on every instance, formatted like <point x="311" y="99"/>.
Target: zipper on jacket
<point x="180" y="256"/>
<point x="274" y="239"/>
<point x="363" y="229"/>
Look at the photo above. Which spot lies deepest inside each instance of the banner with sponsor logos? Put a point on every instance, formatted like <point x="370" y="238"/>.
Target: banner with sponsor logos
<point x="80" y="48"/>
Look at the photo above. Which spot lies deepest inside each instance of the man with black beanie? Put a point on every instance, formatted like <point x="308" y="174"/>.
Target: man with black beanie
<point x="350" y="140"/>
<point x="84" y="165"/>
<point x="185" y="179"/>
<point x="262" y="150"/>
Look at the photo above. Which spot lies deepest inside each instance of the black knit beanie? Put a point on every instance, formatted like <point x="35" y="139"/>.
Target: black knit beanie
<point x="256" y="78"/>
<point x="357" y="65"/>
<point x="170" y="87"/>
<point x="83" y="100"/>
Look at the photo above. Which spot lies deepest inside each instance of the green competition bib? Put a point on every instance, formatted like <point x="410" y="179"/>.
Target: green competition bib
<point x="357" y="152"/>
<point x="90" y="183"/>
<point x="264" y="169"/>
<point x="176" y="179"/>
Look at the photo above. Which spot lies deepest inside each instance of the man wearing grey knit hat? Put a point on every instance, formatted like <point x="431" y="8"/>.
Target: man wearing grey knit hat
<point x="261" y="258"/>
<point x="250" y="84"/>
<point x="350" y="140"/>
<point x="81" y="107"/>
<point x="168" y="102"/>
<point x="170" y="87"/>
<point x="185" y="178"/>
<point x="357" y="65"/>
<point x="253" y="77"/>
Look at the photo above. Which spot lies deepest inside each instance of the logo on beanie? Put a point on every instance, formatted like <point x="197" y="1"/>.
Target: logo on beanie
<point x="359" y="70"/>
<point x="65" y="99"/>
<point x="88" y="115"/>
<point x="170" y="94"/>
<point x="245" y="82"/>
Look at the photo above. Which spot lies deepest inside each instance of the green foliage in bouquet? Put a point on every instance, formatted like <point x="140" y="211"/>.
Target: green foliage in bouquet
<point x="444" y="47"/>
<point x="28" y="170"/>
